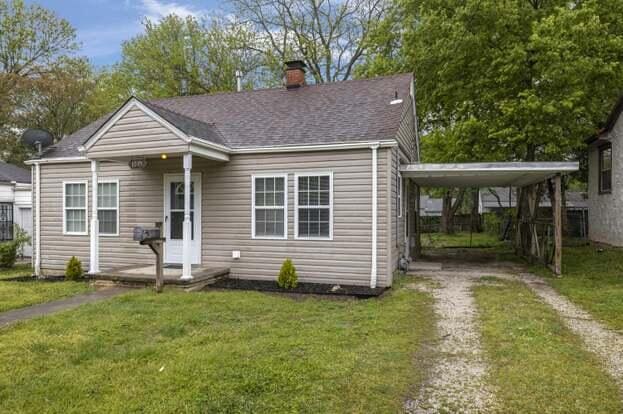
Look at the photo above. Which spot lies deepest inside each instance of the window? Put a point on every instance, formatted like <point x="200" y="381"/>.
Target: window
<point x="399" y="195"/>
<point x="605" y="169"/>
<point x="6" y="221"/>
<point x="314" y="205"/>
<point x="270" y="200"/>
<point x="75" y="207"/>
<point x="108" y="208"/>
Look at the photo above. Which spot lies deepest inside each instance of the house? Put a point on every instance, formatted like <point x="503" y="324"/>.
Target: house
<point x="605" y="195"/>
<point x="499" y="200"/>
<point x="496" y="200"/>
<point x="238" y="180"/>
<point x="15" y="202"/>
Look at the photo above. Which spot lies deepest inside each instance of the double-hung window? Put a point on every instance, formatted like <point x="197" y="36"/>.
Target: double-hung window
<point x="314" y="206"/>
<point x="75" y="207"/>
<point x="270" y="206"/>
<point x="108" y="208"/>
<point x="605" y="169"/>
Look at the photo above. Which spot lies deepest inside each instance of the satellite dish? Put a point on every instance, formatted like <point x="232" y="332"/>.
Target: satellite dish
<point x="38" y="138"/>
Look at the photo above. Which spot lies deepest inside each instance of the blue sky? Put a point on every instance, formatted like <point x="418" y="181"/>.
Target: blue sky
<point x="102" y="25"/>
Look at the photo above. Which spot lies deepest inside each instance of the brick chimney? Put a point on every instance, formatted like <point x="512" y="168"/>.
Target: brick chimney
<point x="295" y="74"/>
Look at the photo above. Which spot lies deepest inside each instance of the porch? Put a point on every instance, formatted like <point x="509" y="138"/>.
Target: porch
<point x="161" y="147"/>
<point x="142" y="275"/>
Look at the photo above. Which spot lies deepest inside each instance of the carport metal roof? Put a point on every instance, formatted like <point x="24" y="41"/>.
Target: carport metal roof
<point x="490" y="174"/>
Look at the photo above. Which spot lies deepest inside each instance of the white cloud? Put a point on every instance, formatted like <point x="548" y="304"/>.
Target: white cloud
<point x="156" y="10"/>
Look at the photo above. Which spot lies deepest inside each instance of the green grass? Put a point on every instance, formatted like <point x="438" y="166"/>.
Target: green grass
<point x="537" y="364"/>
<point x="593" y="280"/>
<point x="219" y="351"/>
<point x="20" y="294"/>
<point x="441" y="240"/>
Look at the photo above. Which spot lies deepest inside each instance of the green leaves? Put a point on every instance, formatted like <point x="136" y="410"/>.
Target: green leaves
<point x="520" y="80"/>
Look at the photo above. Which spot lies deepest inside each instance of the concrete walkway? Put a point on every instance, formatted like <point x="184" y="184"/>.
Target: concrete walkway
<point x="49" y="308"/>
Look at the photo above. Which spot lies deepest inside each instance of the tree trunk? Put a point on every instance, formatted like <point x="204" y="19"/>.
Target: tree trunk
<point x="449" y="209"/>
<point x="446" y="216"/>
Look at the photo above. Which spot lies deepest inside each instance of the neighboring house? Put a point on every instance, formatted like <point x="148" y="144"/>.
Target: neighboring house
<point x="496" y="199"/>
<point x="430" y="207"/>
<point x="304" y="172"/>
<point x="605" y="178"/>
<point x="15" y="202"/>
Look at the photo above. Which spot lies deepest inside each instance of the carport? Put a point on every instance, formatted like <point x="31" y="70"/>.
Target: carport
<point x="524" y="176"/>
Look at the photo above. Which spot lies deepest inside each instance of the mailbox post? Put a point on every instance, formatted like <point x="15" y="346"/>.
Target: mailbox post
<point x="152" y="238"/>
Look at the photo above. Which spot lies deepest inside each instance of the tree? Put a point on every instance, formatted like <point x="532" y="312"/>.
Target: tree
<point x="330" y="36"/>
<point x="185" y="56"/>
<point x="57" y="99"/>
<point x="32" y="39"/>
<point x="521" y="80"/>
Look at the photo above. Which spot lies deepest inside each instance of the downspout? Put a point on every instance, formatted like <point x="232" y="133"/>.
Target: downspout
<point x="373" y="275"/>
<point x="37" y="220"/>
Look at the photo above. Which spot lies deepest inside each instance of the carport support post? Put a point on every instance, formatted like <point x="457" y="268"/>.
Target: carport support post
<point x="414" y="221"/>
<point x="187" y="230"/>
<point x="557" y="224"/>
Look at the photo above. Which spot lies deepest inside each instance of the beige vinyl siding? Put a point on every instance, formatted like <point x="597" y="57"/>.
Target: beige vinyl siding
<point x="133" y="134"/>
<point x="226" y="216"/>
<point x="398" y="224"/>
<point x="406" y="131"/>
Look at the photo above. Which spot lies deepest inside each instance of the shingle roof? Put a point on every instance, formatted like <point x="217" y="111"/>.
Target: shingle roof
<point x="10" y="172"/>
<point x="340" y="112"/>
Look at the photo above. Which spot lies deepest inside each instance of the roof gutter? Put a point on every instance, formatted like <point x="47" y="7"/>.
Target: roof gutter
<point x="250" y="150"/>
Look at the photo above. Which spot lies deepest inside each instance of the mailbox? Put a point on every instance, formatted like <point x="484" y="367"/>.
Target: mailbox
<point x="143" y="234"/>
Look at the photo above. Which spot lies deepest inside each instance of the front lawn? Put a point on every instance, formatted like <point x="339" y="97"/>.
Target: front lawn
<point x="537" y="364"/>
<point x="20" y="294"/>
<point x="218" y="351"/>
<point x="592" y="279"/>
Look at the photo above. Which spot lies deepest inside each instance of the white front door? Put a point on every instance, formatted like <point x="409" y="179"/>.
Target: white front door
<point x="174" y="218"/>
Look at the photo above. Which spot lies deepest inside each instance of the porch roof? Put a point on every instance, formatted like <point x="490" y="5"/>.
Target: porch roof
<point x="491" y="174"/>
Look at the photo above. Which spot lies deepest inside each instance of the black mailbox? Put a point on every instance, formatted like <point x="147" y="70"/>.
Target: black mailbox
<point x="143" y="234"/>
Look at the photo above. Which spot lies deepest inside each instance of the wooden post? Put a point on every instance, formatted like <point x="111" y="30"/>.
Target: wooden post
<point x="159" y="265"/>
<point x="417" y="248"/>
<point x="557" y="225"/>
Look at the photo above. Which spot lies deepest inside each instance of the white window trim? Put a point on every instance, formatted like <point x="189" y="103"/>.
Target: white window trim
<point x="108" y="181"/>
<point x="296" y="204"/>
<point x="285" y="206"/>
<point x="86" y="208"/>
<point x="399" y="195"/>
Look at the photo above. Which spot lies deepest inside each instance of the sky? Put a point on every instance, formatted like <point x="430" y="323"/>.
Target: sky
<point x="102" y="25"/>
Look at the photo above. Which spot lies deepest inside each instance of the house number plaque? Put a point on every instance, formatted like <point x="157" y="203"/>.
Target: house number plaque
<point x="138" y="163"/>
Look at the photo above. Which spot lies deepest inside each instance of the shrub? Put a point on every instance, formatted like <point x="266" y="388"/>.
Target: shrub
<point x="288" y="278"/>
<point x="73" y="270"/>
<point x="8" y="254"/>
<point x="492" y="224"/>
<point x="21" y="239"/>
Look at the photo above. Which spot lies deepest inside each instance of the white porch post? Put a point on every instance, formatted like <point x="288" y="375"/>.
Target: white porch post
<point x="94" y="266"/>
<point x="187" y="230"/>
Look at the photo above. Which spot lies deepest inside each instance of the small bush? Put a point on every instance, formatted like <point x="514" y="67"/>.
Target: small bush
<point x="288" y="279"/>
<point x="73" y="270"/>
<point x="8" y="254"/>
<point x="21" y="239"/>
<point x="492" y="224"/>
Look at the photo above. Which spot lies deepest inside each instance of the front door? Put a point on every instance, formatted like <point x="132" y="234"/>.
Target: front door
<point x="174" y="217"/>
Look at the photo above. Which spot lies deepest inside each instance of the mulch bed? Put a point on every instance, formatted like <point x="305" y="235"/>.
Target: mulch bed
<point x="302" y="288"/>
